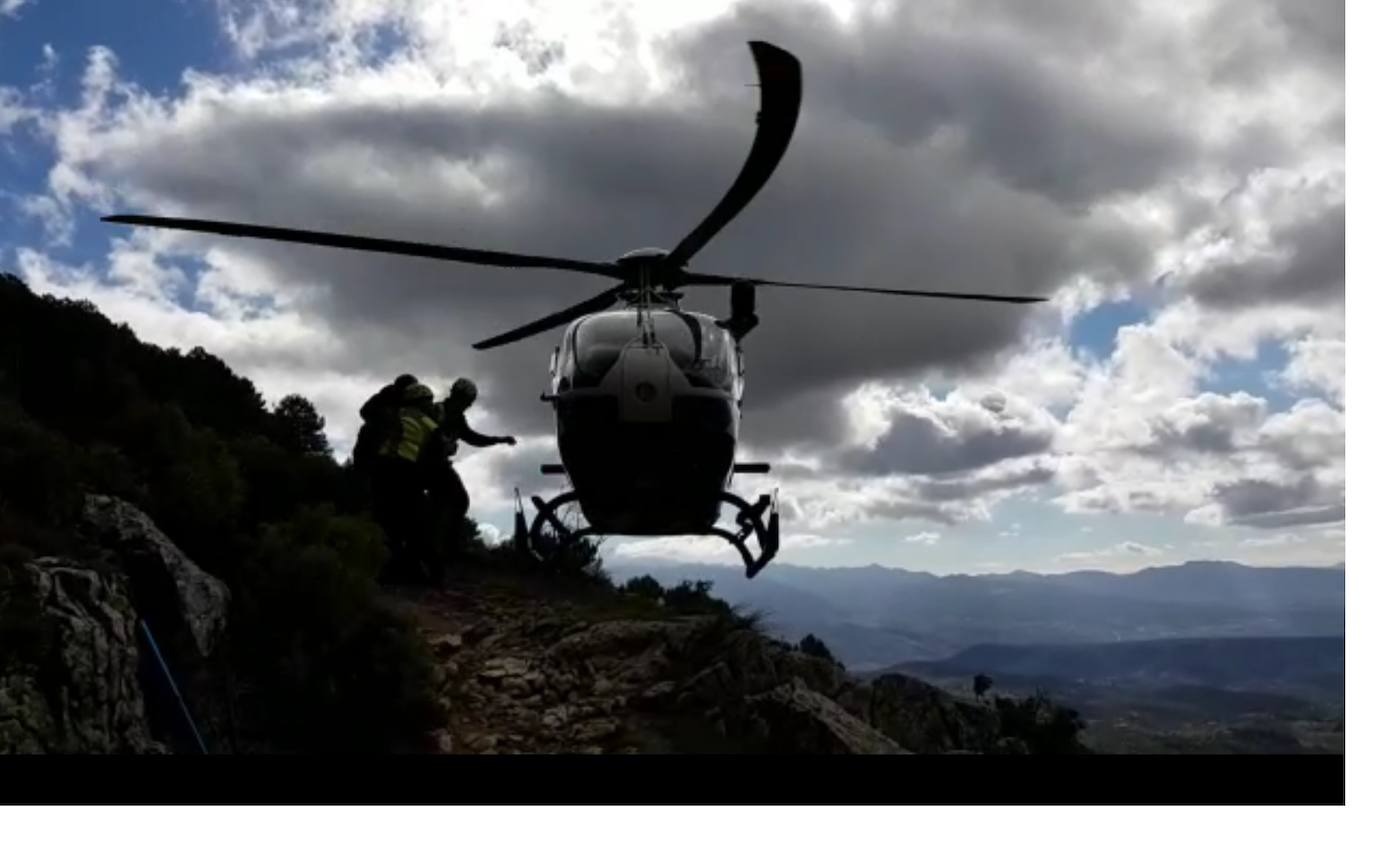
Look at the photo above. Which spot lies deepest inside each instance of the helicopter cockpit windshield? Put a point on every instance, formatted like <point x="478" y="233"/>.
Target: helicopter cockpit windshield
<point x="700" y="349"/>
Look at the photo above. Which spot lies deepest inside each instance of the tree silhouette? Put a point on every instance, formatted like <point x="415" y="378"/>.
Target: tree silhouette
<point x="981" y="684"/>
<point x="813" y="646"/>
<point x="298" y="426"/>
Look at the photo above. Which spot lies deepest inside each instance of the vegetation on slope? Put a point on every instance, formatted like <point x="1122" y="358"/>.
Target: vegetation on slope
<point x="250" y="493"/>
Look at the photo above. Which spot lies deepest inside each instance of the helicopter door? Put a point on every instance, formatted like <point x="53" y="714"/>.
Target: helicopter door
<point x="645" y="384"/>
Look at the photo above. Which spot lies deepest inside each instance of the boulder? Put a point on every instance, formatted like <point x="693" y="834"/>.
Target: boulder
<point x="822" y="675"/>
<point x="69" y="673"/>
<point x="618" y="637"/>
<point x="925" y="719"/>
<point x="188" y="607"/>
<point x="187" y="611"/>
<point x="792" y="719"/>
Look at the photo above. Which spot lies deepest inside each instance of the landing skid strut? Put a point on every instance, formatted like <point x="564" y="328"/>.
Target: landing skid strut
<point x="750" y="522"/>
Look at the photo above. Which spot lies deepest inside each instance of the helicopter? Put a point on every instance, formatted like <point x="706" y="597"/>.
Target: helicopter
<point x="647" y="396"/>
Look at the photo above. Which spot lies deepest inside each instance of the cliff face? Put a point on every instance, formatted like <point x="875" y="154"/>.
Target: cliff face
<point x="81" y="672"/>
<point x="69" y="677"/>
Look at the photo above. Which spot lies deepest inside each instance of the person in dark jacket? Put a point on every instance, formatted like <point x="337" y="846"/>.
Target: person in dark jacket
<point x="381" y="421"/>
<point x="453" y="426"/>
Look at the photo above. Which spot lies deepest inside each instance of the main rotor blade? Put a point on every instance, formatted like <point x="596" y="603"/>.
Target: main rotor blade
<point x="693" y="278"/>
<point x="600" y="301"/>
<point x="780" y="101"/>
<point x="364" y="243"/>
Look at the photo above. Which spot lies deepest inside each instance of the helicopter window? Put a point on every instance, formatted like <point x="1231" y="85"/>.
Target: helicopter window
<point x="703" y="352"/>
<point x="717" y="361"/>
<point x="699" y="347"/>
<point x="562" y="364"/>
<point x="598" y="342"/>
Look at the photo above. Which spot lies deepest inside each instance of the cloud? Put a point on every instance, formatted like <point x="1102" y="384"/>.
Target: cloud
<point x="1302" y="262"/>
<point x="1125" y="549"/>
<point x="924" y="538"/>
<point x="812" y="541"/>
<point x="683" y="549"/>
<point x="927" y="435"/>
<point x="1317" y="364"/>
<point x="1207" y="424"/>
<point x="14" y="109"/>
<point x="395" y="151"/>
<point x="10" y="8"/>
<point x="1275" y="504"/>
<point x="489" y="533"/>
<point x="1145" y="437"/>
<point x="1284" y="538"/>
<point x="1191" y="162"/>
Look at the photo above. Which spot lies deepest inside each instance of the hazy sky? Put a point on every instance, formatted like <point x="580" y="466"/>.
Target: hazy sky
<point x="1170" y="174"/>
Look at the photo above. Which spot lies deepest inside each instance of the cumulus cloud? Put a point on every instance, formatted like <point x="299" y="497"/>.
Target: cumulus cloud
<point x="10" y="8"/>
<point x="1317" y="364"/>
<point x="1207" y="424"/>
<point x="1216" y="460"/>
<point x="929" y="435"/>
<point x="1194" y="161"/>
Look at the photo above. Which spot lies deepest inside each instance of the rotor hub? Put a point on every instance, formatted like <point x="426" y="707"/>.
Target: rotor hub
<point x="643" y="266"/>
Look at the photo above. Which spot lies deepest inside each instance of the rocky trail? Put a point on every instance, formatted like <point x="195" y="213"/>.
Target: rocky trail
<point x="523" y="668"/>
<point x="519" y="674"/>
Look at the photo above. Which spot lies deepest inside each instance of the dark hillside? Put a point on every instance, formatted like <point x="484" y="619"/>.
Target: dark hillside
<point x="87" y="409"/>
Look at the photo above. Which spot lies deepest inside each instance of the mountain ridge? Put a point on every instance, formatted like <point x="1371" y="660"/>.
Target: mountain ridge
<point x="880" y="615"/>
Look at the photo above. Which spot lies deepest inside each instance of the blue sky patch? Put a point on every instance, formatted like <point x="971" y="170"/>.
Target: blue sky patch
<point x="1095" y="331"/>
<point x="1228" y="375"/>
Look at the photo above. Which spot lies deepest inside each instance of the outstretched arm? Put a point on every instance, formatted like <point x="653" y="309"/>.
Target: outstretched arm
<point x="460" y="430"/>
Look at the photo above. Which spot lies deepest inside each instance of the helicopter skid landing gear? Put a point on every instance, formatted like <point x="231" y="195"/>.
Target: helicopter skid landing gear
<point x="758" y="520"/>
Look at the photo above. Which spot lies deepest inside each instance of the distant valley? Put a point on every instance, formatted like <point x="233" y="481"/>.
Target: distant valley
<point x="876" y="616"/>
<point x="1206" y="656"/>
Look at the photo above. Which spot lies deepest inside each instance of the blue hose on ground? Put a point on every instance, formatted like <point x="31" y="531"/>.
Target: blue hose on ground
<point x="167" y="672"/>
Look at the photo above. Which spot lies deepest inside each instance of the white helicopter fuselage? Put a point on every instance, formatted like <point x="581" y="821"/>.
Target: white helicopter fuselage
<point x="648" y="411"/>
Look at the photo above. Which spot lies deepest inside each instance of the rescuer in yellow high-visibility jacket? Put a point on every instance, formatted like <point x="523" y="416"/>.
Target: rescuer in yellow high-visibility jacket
<point x="400" y="479"/>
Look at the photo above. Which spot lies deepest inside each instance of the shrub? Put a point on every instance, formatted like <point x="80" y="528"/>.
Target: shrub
<point x="644" y="586"/>
<point x="813" y="646"/>
<point x="694" y="597"/>
<point x="325" y="663"/>
<point x="1045" y="727"/>
<point x="981" y="684"/>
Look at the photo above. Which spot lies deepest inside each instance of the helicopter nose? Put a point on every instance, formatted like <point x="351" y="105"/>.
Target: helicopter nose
<point x="644" y="384"/>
